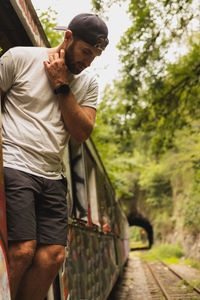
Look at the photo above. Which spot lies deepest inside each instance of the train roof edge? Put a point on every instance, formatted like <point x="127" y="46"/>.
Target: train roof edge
<point x="29" y="18"/>
<point x="22" y="27"/>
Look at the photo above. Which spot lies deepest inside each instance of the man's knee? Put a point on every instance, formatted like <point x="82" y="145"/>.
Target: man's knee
<point x="50" y="257"/>
<point x="21" y="252"/>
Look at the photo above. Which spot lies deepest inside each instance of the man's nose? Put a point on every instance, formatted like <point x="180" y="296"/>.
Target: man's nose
<point x="88" y="61"/>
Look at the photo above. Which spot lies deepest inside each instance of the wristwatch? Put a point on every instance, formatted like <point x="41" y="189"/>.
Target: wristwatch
<point x="62" y="89"/>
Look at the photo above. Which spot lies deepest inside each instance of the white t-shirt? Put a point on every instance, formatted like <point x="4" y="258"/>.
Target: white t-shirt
<point x="33" y="132"/>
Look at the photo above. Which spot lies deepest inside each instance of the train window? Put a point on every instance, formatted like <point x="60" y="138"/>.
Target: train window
<point x="104" y="199"/>
<point x="80" y="207"/>
<point x="105" y="222"/>
<point x="92" y="187"/>
<point x="108" y="208"/>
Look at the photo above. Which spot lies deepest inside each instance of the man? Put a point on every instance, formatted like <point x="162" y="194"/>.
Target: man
<point x="47" y="97"/>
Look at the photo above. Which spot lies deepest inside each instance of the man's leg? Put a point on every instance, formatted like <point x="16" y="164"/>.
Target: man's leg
<point x="21" y="223"/>
<point x="38" y="278"/>
<point x="40" y="213"/>
<point x="20" y="256"/>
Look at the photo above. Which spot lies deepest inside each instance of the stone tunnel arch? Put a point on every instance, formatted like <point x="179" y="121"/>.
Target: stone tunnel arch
<point x="136" y="219"/>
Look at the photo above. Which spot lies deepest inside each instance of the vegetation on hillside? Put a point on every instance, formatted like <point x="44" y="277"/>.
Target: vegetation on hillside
<point x="148" y="125"/>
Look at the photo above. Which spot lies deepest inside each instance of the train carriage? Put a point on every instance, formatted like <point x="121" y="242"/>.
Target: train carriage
<point x="98" y="235"/>
<point x="98" y="240"/>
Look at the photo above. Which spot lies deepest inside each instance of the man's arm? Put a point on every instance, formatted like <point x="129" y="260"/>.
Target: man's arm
<point x="79" y="120"/>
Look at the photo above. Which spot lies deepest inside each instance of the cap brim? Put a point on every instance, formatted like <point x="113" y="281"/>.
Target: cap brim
<point x="63" y="28"/>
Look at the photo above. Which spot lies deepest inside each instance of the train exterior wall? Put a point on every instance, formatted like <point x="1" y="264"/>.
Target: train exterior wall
<point x="91" y="267"/>
<point x="96" y="253"/>
<point x="98" y="240"/>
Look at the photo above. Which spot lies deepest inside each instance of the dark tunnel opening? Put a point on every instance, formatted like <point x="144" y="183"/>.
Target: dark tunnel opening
<point x="136" y="219"/>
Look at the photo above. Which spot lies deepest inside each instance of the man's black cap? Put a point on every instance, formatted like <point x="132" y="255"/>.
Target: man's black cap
<point x="90" y="28"/>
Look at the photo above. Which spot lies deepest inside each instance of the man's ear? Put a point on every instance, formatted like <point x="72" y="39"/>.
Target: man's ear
<point x="68" y="35"/>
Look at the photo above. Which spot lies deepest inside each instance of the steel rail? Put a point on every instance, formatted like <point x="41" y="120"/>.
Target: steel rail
<point x="161" y="286"/>
<point x="180" y="276"/>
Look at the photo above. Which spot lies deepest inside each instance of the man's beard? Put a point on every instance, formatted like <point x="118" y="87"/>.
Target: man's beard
<point x="73" y="66"/>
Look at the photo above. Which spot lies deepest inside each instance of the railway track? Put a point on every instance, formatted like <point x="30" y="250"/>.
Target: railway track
<point x="170" y="284"/>
<point x="152" y="281"/>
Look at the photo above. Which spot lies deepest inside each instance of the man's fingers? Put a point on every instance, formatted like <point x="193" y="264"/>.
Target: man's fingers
<point x="62" y="53"/>
<point x="46" y="63"/>
<point x="56" y="55"/>
<point x="51" y="58"/>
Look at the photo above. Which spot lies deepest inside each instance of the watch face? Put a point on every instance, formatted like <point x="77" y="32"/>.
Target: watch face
<point x="63" y="89"/>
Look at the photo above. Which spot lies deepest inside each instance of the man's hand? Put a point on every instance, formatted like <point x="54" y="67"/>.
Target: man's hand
<point x="56" y="69"/>
<point x="78" y="120"/>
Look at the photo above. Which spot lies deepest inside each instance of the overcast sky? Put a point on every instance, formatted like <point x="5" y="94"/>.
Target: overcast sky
<point x="108" y="64"/>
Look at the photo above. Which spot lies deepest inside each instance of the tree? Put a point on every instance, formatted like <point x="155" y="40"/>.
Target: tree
<point x="48" y="20"/>
<point x="159" y="94"/>
<point x="154" y="112"/>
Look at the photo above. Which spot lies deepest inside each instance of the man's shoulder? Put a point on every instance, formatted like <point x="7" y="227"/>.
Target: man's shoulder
<point x="25" y="52"/>
<point x="85" y="88"/>
<point x="22" y="49"/>
<point x="86" y="77"/>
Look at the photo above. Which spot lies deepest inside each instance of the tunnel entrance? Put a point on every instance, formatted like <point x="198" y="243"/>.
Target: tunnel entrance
<point x="141" y="232"/>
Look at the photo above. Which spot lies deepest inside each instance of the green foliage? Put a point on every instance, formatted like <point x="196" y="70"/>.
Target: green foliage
<point x="193" y="263"/>
<point x="163" y="222"/>
<point x="117" y="166"/>
<point x="192" y="212"/>
<point x="156" y="25"/>
<point x="158" y="97"/>
<point x="111" y="141"/>
<point x="165" y="252"/>
<point x="135" y="233"/>
<point x="167" y="104"/>
<point x="138" y="239"/>
<point x="187" y="160"/>
<point x="49" y="21"/>
<point x="101" y="5"/>
<point x="156" y="185"/>
<point x="97" y="5"/>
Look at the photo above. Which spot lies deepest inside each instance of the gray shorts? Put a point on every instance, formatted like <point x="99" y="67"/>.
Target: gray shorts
<point x="36" y="208"/>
